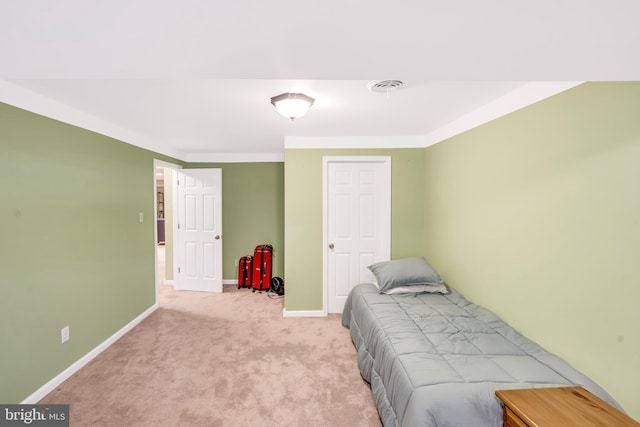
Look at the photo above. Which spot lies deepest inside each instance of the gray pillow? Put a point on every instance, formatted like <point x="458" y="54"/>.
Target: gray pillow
<point x="404" y="272"/>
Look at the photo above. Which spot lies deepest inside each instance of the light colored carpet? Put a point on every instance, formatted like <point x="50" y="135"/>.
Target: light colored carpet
<point x="225" y="359"/>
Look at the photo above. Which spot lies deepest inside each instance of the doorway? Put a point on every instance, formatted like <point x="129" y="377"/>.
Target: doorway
<point x="188" y="203"/>
<point x="165" y="178"/>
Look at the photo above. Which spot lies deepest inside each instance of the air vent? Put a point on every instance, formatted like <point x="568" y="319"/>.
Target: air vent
<point x="384" y="86"/>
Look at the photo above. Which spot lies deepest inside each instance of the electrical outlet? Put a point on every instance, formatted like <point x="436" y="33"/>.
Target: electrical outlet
<point x="64" y="334"/>
<point x="141" y="217"/>
<point x="236" y="262"/>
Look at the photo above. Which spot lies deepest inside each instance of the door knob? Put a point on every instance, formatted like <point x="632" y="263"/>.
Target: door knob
<point x="217" y="237"/>
<point x="331" y="246"/>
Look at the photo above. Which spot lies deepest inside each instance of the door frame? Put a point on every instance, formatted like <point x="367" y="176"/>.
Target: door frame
<point x="326" y="160"/>
<point x="161" y="163"/>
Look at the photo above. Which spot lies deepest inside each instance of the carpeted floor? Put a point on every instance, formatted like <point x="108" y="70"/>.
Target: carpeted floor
<point x="225" y="359"/>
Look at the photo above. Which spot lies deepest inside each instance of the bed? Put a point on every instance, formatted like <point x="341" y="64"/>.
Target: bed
<point x="435" y="360"/>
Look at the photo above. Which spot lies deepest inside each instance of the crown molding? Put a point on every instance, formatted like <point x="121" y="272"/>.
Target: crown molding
<point x="324" y="142"/>
<point x="233" y="157"/>
<point x="526" y="95"/>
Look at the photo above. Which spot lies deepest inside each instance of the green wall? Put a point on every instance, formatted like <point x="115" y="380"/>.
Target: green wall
<point x="536" y="217"/>
<point x="252" y="211"/>
<point x="303" y="216"/>
<point x="73" y="251"/>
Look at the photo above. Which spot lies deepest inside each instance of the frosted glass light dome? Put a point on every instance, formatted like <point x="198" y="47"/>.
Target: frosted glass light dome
<point x="292" y="105"/>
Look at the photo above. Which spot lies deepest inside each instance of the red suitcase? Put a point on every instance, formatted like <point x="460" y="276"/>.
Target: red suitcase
<point x="261" y="280"/>
<point x="245" y="271"/>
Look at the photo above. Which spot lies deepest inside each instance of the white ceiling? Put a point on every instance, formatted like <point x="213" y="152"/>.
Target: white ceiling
<point x="193" y="79"/>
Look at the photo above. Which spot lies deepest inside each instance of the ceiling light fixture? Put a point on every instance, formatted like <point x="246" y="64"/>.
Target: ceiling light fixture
<point x="292" y="105"/>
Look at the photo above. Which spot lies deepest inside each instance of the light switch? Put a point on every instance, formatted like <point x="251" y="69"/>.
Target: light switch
<point x="141" y="217"/>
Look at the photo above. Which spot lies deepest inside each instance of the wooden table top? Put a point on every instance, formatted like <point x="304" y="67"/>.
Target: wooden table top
<point x="563" y="406"/>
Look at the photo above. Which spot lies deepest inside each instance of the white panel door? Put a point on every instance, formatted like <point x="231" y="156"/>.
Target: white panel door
<point x="358" y="223"/>
<point x="200" y="230"/>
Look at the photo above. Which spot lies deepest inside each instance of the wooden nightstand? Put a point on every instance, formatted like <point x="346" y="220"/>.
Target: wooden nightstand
<point x="559" y="406"/>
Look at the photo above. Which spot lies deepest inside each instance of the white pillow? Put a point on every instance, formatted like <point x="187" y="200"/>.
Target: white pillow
<point x="417" y="289"/>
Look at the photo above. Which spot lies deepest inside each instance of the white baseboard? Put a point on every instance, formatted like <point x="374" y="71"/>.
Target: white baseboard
<point x="303" y="313"/>
<point x="168" y="282"/>
<point x="75" y="367"/>
<point x="229" y="282"/>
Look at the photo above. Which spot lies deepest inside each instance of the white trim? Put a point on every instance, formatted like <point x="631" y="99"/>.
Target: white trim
<point x="161" y="163"/>
<point x="233" y="157"/>
<point x="229" y="282"/>
<point x="386" y="161"/>
<point x="414" y="141"/>
<point x="325" y="216"/>
<point x="521" y="97"/>
<point x="80" y="363"/>
<point x="303" y="313"/>
<point x="20" y="97"/>
<point x="174" y="210"/>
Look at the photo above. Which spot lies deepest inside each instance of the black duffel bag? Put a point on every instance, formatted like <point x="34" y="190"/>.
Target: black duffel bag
<point x="277" y="285"/>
